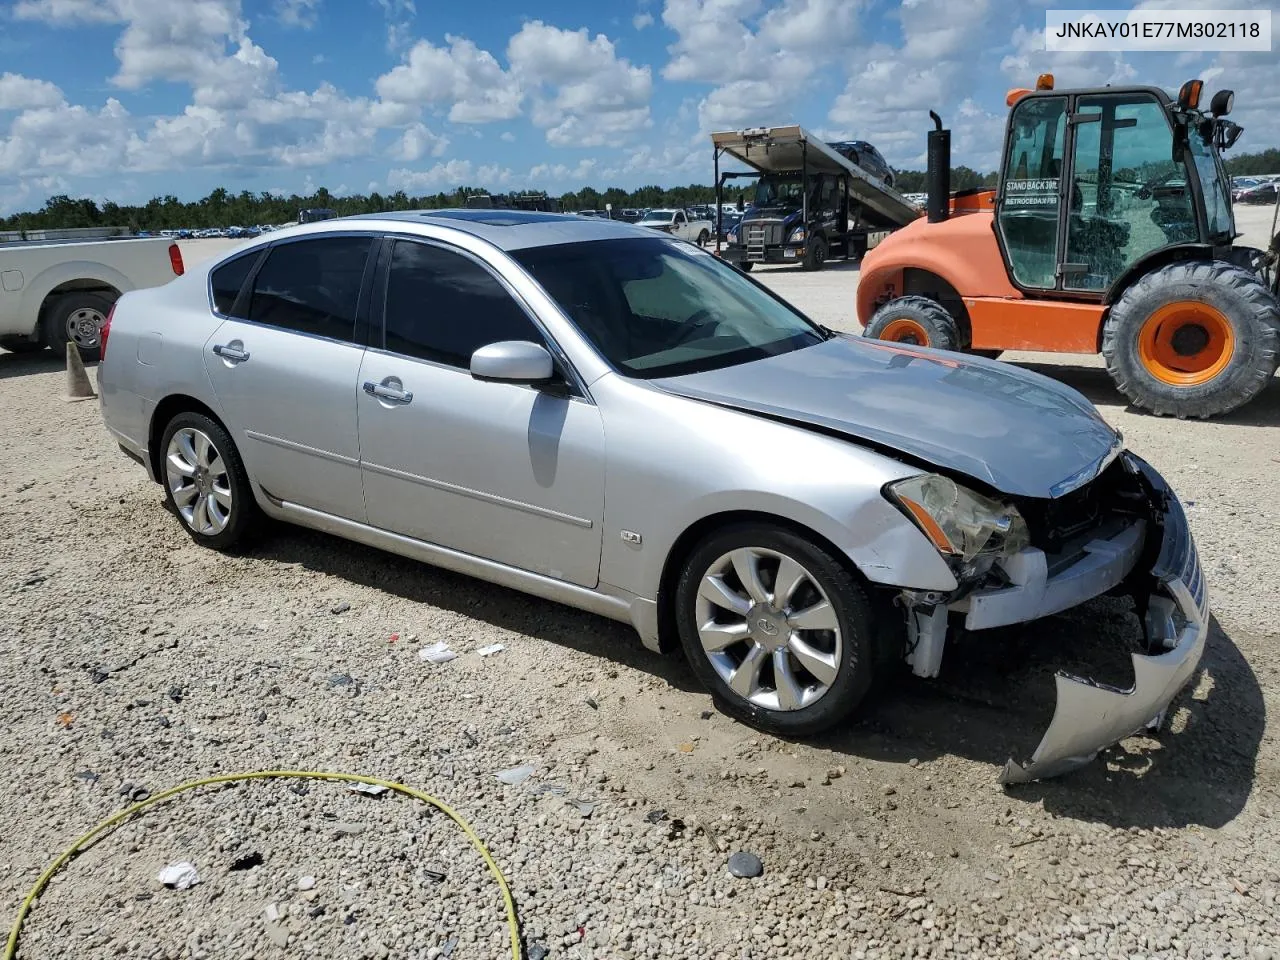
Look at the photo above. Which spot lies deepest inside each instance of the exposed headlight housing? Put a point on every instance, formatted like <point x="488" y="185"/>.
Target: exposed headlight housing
<point x="797" y="235"/>
<point x="960" y="523"/>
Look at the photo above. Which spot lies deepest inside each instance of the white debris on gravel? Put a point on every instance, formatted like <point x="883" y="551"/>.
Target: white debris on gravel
<point x="1167" y="847"/>
<point x="180" y="876"/>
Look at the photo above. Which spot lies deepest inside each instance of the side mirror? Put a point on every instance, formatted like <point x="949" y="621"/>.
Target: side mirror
<point x="513" y="361"/>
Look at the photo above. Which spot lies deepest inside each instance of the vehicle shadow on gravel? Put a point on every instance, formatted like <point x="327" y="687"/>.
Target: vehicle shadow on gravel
<point x="489" y="603"/>
<point x="996" y="696"/>
<point x="1096" y="384"/>
<point x="993" y="701"/>
<point x="26" y="364"/>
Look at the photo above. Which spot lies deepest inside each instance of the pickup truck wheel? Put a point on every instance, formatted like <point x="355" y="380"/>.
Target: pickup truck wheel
<point x="703" y="237"/>
<point x="205" y="482"/>
<point x="20" y="344"/>
<point x="776" y="628"/>
<point x="745" y="266"/>
<point x="77" y="318"/>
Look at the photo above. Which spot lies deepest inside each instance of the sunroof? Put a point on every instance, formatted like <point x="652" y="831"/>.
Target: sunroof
<point x="496" y="218"/>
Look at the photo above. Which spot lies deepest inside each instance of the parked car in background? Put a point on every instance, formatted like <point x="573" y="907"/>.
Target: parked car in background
<point x="678" y="224"/>
<point x="316" y="214"/>
<point x="627" y="215"/>
<point x="55" y="292"/>
<point x="1264" y="192"/>
<point x="867" y="157"/>
<point x="613" y="389"/>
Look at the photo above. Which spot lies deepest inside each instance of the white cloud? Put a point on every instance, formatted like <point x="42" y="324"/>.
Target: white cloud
<point x="20" y="93"/>
<point x="450" y="174"/>
<point x="642" y="20"/>
<point x="66" y="11"/>
<point x="595" y="97"/>
<point x="507" y="136"/>
<point x="298" y="13"/>
<point x="417" y="142"/>
<point x="468" y="79"/>
<point x="760" y="62"/>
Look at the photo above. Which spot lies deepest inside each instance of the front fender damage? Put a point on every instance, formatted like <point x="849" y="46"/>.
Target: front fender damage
<point x="1089" y="716"/>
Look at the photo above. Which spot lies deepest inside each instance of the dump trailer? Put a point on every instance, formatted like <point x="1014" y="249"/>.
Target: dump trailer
<point x="811" y="203"/>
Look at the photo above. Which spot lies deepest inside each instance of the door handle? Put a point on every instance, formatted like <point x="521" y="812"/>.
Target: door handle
<point x="228" y="352"/>
<point x="385" y="391"/>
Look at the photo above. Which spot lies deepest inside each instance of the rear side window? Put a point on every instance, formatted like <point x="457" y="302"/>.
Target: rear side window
<point x="226" y="281"/>
<point x="312" y="286"/>
<point x="442" y="306"/>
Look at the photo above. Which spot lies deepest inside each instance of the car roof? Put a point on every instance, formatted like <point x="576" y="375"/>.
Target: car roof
<point x="505" y="229"/>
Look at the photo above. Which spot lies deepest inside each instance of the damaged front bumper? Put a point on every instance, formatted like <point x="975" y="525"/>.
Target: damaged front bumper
<point x="1090" y="716"/>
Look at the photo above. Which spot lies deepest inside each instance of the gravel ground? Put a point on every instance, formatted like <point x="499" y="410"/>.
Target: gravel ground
<point x="128" y="656"/>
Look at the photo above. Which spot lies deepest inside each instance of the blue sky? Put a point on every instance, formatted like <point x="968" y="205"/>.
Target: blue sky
<point x="127" y="99"/>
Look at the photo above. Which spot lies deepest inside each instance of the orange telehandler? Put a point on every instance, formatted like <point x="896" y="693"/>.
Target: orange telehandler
<point x="1111" y="230"/>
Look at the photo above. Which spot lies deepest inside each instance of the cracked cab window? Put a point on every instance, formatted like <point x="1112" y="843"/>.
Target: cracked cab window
<point x="1128" y="195"/>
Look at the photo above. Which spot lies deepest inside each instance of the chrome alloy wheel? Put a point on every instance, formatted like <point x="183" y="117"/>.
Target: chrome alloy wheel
<point x="768" y="629"/>
<point x="198" y="481"/>
<point x="84" y="327"/>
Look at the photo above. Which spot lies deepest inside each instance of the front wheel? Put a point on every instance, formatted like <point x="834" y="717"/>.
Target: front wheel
<point x="703" y="237"/>
<point x="776" y="628"/>
<point x="915" y="320"/>
<point x="815" y="255"/>
<point x="205" y="482"/>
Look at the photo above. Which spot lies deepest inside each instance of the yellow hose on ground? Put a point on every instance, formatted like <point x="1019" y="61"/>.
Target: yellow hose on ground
<point x="513" y="922"/>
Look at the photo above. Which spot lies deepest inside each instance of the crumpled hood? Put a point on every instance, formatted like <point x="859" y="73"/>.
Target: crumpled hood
<point x="1019" y="432"/>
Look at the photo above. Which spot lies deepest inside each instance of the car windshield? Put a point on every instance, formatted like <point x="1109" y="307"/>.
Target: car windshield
<point x="660" y="308"/>
<point x="657" y="216"/>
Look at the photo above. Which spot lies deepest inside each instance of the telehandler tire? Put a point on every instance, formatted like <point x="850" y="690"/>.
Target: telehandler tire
<point x="1195" y="338"/>
<point x="914" y="320"/>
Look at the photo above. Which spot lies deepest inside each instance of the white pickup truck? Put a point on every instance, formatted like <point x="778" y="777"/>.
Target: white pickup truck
<point x="54" y="291"/>
<point x="679" y="224"/>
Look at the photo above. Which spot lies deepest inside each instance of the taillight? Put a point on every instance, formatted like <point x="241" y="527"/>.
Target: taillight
<point x="104" y="333"/>
<point x="175" y="260"/>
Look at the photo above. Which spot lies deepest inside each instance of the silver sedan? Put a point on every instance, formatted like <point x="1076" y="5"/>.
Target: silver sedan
<point x="619" y="421"/>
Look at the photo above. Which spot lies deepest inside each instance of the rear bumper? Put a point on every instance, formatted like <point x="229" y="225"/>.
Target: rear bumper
<point x="1090" y="716"/>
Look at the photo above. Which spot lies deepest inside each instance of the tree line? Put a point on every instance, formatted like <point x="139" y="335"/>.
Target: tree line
<point x="221" y="208"/>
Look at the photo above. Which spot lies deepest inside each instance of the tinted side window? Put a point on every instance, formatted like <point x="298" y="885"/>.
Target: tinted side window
<point x="225" y="281"/>
<point x="311" y="286"/>
<point x="442" y="306"/>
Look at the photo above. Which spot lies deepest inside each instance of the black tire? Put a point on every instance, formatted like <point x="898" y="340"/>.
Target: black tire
<point x="703" y="237"/>
<point x="243" y="514"/>
<point x="915" y="320"/>
<point x="815" y="255"/>
<point x="1163" y="375"/>
<point x="68" y="319"/>
<point x="745" y="266"/>
<point x="21" y="345"/>
<point x="858" y="246"/>
<point x="859" y="663"/>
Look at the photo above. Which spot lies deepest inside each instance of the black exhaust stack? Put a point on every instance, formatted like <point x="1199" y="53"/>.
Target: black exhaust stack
<point x="938" y="173"/>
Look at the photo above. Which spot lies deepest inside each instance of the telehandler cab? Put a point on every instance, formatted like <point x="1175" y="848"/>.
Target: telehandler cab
<point x="1111" y="231"/>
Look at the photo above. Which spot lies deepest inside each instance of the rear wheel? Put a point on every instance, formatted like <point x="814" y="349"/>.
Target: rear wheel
<point x="745" y="266"/>
<point x="776" y="628"/>
<point x="205" y="482"/>
<point x="1193" y="339"/>
<point x="914" y="320"/>
<point x="77" y="318"/>
<point x="703" y="237"/>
